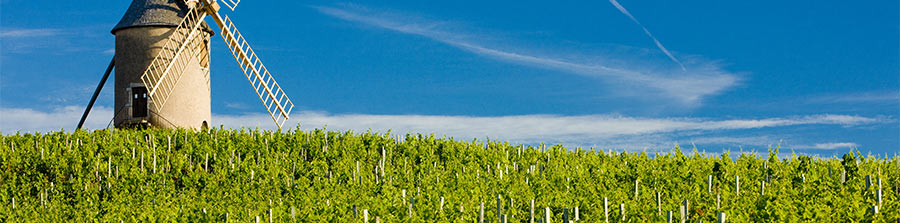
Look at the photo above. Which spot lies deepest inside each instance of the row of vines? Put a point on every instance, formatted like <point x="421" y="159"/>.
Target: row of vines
<point x="321" y="176"/>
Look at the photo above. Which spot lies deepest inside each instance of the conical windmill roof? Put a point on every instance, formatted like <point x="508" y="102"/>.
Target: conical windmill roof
<point x="164" y="13"/>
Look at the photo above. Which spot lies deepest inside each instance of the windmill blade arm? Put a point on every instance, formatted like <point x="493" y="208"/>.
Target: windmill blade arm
<point x="170" y="63"/>
<point x="231" y="4"/>
<point x="270" y="93"/>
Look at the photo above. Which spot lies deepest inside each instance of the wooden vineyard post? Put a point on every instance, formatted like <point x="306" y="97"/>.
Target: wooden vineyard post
<point x="498" y="207"/>
<point x="682" y="213"/>
<point x="532" y="212"/>
<point x="577" y="217"/>
<point x="442" y="204"/>
<point x="606" y="209"/>
<point x="762" y="188"/>
<point x="879" y="192"/>
<point x="709" y="184"/>
<point x="365" y="215"/>
<point x="718" y="201"/>
<point x="721" y="217"/>
<point x="658" y="204"/>
<point x="737" y="185"/>
<point x="843" y="176"/>
<point x="481" y="213"/>
<point x="547" y="214"/>
<point x="622" y="211"/>
<point x="635" y="189"/>
<point x="670" y="217"/>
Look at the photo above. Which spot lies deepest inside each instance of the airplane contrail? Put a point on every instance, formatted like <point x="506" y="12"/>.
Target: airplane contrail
<point x="658" y="44"/>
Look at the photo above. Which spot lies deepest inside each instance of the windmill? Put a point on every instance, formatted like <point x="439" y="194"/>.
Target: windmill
<point x="162" y="66"/>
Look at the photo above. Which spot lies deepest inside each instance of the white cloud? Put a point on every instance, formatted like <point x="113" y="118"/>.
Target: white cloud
<point x="829" y="146"/>
<point x="585" y="130"/>
<point x="763" y="141"/>
<point x="891" y="97"/>
<point x="601" y="131"/>
<point x="31" y="120"/>
<point x="704" y="78"/>
<point x="236" y="105"/>
<point x="24" y="33"/>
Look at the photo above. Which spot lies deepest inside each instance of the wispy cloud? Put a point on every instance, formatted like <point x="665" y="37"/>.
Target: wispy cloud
<point x="31" y="120"/>
<point x="704" y="79"/>
<point x="602" y="131"/>
<point x="658" y="44"/>
<point x="737" y="140"/>
<point x="236" y="105"/>
<point x="24" y="33"/>
<point x="606" y="130"/>
<point x="58" y="41"/>
<point x="829" y="146"/>
<point x="786" y="142"/>
<point x="887" y="97"/>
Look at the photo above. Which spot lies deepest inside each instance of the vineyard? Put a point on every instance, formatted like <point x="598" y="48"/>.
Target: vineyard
<point x="319" y="176"/>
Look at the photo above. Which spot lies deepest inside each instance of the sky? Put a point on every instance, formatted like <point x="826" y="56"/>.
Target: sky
<point x="813" y="77"/>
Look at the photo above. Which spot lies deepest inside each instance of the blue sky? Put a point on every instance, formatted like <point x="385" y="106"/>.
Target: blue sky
<point x="818" y="77"/>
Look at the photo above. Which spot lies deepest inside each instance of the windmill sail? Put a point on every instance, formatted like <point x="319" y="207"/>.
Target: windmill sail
<point x="270" y="94"/>
<point x="167" y="67"/>
<point x="231" y="3"/>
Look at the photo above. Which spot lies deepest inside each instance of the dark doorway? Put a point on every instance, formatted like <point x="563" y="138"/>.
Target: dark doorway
<point x="139" y="102"/>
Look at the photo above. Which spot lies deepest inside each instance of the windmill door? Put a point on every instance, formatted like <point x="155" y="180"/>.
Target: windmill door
<point x="139" y="102"/>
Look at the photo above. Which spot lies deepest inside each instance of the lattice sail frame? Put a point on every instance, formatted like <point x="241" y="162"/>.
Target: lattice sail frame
<point x="231" y="4"/>
<point x="168" y="66"/>
<point x="166" y="69"/>
<point x="270" y="93"/>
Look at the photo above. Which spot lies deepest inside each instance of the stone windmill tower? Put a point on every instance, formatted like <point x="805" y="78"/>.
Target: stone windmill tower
<point x="162" y="60"/>
<point x="140" y="36"/>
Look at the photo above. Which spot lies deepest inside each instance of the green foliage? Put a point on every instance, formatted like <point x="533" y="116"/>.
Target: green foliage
<point x="311" y="176"/>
